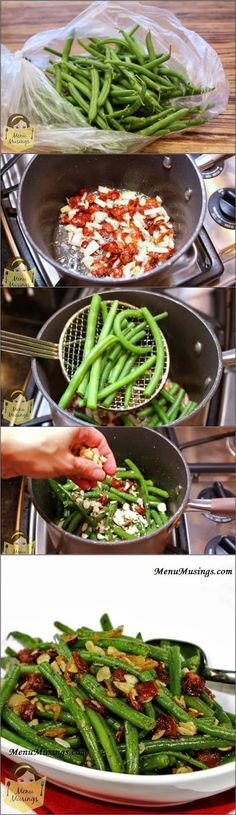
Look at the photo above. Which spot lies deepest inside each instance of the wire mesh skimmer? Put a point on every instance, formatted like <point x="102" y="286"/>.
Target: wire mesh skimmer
<point x="69" y="351"/>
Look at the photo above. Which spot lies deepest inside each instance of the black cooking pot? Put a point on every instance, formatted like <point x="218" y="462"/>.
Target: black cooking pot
<point x="158" y="459"/>
<point x="195" y="354"/>
<point x="49" y="180"/>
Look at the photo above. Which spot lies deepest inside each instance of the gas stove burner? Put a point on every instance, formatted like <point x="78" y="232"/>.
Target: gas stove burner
<point x="221" y="206"/>
<point x="216" y="491"/>
<point x="221" y="545"/>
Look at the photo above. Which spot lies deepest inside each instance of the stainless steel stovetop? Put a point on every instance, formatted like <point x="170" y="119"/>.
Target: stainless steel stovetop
<point x="210" y="261"/>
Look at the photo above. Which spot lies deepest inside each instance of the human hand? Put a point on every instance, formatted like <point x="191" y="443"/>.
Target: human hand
<point x="49" y="452"/>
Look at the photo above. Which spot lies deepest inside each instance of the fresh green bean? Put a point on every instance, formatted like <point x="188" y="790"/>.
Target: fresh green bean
<point x="96" y="367"/>
<point x="160" y="352"/>
<point x="78" y="376"/>
<point x="94" y="96"/>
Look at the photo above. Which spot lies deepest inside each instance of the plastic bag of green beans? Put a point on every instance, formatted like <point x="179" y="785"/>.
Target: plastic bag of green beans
<point x="66" y="126"/>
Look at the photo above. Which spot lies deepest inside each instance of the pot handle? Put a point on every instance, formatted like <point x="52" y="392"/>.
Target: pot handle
<point x="229" y="358"/>
<point x="217" y="506"/>
<point x="216" y="675"/>
<point x="206" y="160"/>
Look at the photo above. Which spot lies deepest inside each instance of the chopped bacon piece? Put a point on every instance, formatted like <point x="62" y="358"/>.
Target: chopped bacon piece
<point x="27" y="711"/>
<point x="81" y="664"/>
<point x="119" y="674"/>
<point x="134" y="702"/>
<point x="209" y="757"/>
<point x="192" y="684"/>
<point x="146" y="691"/>
<point x="35" y="682"/>
<point x="28" y="655"/>
<point x="96" y="706"/>
<point x="120" y="734"/>
<point x="168" y="724"/>
<point x="161" y="673"/>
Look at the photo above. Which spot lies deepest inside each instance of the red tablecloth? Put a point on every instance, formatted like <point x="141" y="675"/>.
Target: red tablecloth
<point x="59" y="801"/>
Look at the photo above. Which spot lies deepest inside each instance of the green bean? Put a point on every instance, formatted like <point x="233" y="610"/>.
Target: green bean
<point x="117" y="706"/>
<point x="174" y="409"/>
<point x="79" y="715"/>
<point x="188" y="408"/>
<point x="187" y="759"/>
<point x="112" y="662"/>
<point x="160" y="352"/>
<point x="105" y="621"/>
<point x="133" y="46"/>
<point x="132" y="750"/>
<point x="106" y="740"/>
<point x="135" y="374"/>
<point x="94" y="95"/>
<point x="143" y="486"/>
<point x="221" y="714"/>
<point x="9" y="684"/>
<point x="164" y="745"/>
<point x="25" y="639"/>
<point x="175" y="670"/>
<point x="164" y="122"/>
<point x="196" y="703"/>
<point x="31" y="739"/>
<point x="43" y="727"/>
<point x="78" y="376"/>
<point x="95" y="305"/>
<point x="129" y="312"/>
<point x="92" y="397"/>
<point x="156" y="762"/>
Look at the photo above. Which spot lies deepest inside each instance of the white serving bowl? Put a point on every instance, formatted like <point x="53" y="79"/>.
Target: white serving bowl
<point x="148" y="791"/>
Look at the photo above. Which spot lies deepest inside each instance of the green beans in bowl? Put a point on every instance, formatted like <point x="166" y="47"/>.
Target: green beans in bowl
<point x="100" y="707"/>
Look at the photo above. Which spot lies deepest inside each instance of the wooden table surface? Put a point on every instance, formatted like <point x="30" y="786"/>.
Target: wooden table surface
<point x="213" y="21"/>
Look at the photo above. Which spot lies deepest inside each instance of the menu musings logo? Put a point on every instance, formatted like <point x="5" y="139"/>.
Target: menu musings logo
<point x="18" y="275"/>
<point x="24" y="788"/>
<point x="18" y="133"/>
<point x="18" y="545"/>
<point x="17" y="410"/>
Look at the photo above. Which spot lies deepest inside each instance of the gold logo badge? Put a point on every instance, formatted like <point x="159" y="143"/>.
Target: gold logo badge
<point x="25" y="789"/>
<point x="18" y="275"/>
<point x="18" y="545"/>
<point x="18" y="133"/>
<point x="17" y="409"/>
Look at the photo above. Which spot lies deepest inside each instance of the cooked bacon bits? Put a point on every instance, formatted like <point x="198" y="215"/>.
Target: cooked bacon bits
<point x="128" y="228"/>
<point x="103" y="500"/>
<point x="120" y="734"/>
<point x="119" y="674"/>
<point x="192" y="684"/>
<point x="209" y="757"/>
<point x="35" y="682"/>
<point x="133" y="701"/>
<point x="27" y="711"/>
<point x="28" y="655"/>
<point x="161" y="673"/>
<point x="81" y="664"/>
<point x="96" y="706"/>
<point x="146" y="691"/>
<point x="168" y="724"/>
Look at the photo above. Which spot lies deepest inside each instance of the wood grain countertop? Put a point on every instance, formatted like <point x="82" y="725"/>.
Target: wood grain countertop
<point x="211" y="20"/>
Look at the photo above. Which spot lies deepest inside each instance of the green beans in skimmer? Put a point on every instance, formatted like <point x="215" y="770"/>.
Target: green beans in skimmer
<point x="81" y="371"/>
<point x="133" y="313"/>
<point x="160" y="352"/>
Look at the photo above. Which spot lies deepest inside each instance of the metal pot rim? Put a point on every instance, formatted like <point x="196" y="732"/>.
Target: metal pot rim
<point x="179" y="421"/>
<point x="108" y="280"/>
<point x="111" y="544"/>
